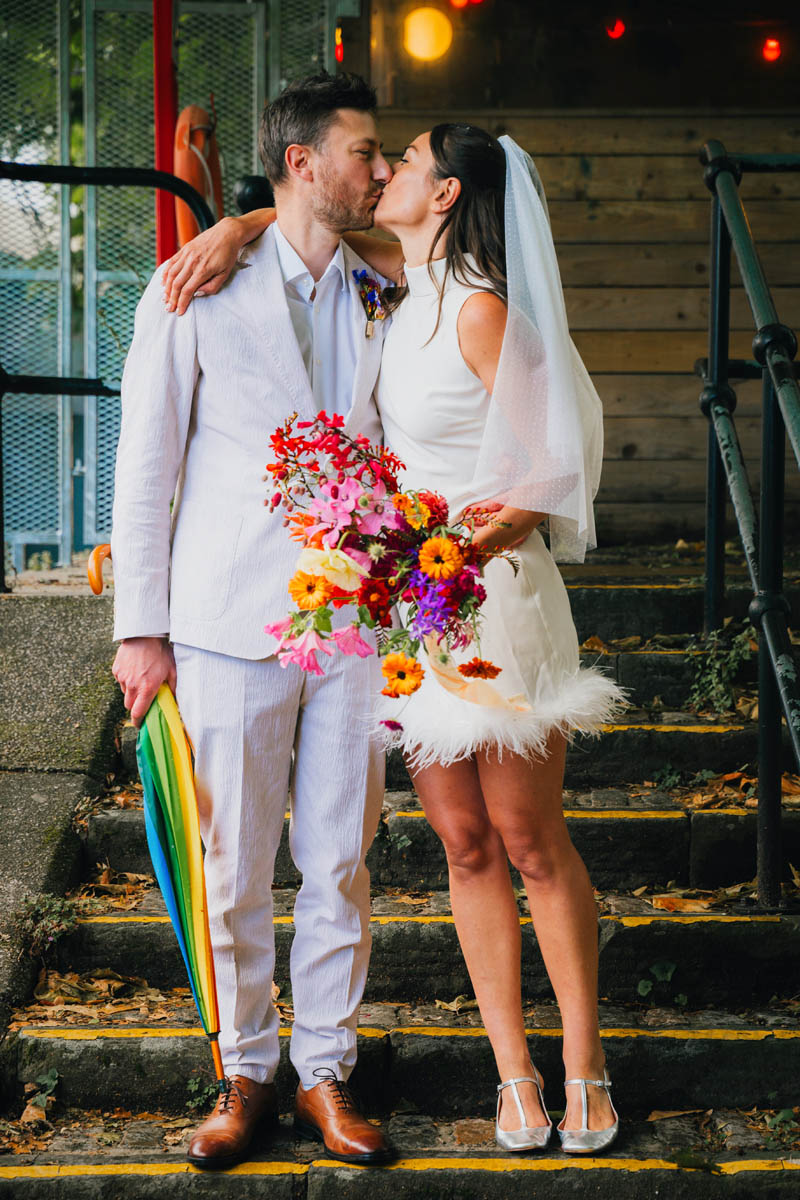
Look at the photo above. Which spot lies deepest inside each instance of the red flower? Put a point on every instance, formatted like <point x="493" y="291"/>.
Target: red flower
<point x="438" y="508"/>
<point x="374" y="594"/>
<point x="479" y="668"/>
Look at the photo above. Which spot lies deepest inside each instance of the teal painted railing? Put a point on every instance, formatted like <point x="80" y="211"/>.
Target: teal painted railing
<point x="774" y="348"/>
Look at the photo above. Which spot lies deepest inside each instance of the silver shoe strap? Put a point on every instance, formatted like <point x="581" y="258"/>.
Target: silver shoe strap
<point x="603" y="1083"/>
<point x="512" y="1083"/>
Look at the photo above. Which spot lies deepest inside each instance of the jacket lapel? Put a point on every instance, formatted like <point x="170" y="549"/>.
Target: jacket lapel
<point x="368" y="361"/>
<point x="279" y="337"/>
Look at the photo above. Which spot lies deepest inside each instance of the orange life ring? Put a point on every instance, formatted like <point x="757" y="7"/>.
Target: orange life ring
<point x="197" y="161"/>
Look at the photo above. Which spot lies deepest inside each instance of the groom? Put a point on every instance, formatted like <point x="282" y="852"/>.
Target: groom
<point x="201" y="395"/>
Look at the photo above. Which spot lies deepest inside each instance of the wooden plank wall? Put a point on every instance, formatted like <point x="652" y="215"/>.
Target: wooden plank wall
<point x="630" y="216"/>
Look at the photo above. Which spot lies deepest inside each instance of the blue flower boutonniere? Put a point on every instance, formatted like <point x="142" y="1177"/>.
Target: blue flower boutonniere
<point x="371" y="298"/>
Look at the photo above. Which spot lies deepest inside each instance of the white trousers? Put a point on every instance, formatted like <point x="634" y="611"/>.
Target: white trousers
<point x="245" y="719"/>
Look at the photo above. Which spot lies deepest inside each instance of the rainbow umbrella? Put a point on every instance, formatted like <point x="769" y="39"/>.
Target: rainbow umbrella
<point x="173" y="838"/>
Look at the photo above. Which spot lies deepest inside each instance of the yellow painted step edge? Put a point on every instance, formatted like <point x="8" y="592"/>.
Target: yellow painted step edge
<point x="495" y="1165"/>
<point x="630" y="922"/>
<point x="92" y="1033"/>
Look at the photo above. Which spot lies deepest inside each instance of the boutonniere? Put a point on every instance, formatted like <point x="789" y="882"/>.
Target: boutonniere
<point x="371" y="298"/>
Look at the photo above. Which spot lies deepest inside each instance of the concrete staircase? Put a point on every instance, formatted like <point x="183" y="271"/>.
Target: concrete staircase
<point x="699" y="1009"/>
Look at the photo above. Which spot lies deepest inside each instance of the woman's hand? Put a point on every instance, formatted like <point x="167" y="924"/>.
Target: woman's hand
<point x="502" y="527"/>
<point x="203" y="265"/>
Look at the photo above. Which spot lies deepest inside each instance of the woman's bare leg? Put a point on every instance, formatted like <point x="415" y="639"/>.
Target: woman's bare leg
<point x="486" y="918"/>
<point x="524" y="803"/>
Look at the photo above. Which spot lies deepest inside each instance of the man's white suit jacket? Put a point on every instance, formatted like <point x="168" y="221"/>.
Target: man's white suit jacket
<point x="201" y="395"/>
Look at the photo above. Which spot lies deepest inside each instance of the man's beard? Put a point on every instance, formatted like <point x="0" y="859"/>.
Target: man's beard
<point x="340" y="207"/>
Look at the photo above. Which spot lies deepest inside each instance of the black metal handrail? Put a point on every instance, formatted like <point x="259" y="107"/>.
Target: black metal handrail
<point x="54" y="385"/>
<point x="774" y="348"/>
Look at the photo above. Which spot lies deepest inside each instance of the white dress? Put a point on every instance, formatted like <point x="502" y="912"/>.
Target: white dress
<point x="433" y="409"/>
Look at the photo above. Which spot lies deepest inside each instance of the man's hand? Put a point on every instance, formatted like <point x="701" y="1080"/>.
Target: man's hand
<point x="141" y="665"/>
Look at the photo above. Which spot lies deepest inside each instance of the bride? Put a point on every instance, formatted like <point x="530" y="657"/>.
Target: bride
<point x="483" y="397"/>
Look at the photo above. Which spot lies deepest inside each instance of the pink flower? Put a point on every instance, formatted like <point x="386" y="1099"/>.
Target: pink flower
<point x="349" y="641"/>
<point x="393" y="726"/>
<point x="375" y="511"/>
<point x="334" y="509"/>
<point x="278" y="629"/>
<point x="301" y="651"/>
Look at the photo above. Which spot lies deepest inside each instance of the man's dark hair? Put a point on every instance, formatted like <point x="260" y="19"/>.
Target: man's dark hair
<point x="304" y="112"/>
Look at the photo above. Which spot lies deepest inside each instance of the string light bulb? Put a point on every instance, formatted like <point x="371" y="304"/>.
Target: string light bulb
<point x="428" y="34"/>
<point x="616" y="30"/>
<point x="771" y="50"/>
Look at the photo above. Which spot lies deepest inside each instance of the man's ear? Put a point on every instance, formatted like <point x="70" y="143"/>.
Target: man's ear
<point x="298" y="162"/>
<point x="446" y="194"/>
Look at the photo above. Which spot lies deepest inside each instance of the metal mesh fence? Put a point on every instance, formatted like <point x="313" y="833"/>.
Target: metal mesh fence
<point x="302" y="30"/>
<point x="220" y="50"/>
<point x="34" y="260"/>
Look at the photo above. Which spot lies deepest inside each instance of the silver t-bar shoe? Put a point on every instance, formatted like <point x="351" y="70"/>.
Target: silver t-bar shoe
<point x="528" y="1137"/>
<point x="585" y="1140"/>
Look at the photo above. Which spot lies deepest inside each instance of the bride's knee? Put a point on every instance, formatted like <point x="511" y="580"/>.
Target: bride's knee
<point x="471" y="849"/>
<point x="539" y="859"/>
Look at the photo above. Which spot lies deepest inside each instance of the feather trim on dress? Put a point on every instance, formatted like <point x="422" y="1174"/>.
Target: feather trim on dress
<point x="438" y="727"/>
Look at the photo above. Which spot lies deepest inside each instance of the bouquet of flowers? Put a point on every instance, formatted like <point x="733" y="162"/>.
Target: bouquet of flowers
<point x="368" y="544"/>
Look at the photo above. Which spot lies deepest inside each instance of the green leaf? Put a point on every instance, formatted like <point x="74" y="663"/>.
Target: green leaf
<point x="644" y="987"/>
<point x="322" y="620"/>
<point x="681" y="1000"/>
<point x="48" y="1081"/>
<point x="663" y="971"/>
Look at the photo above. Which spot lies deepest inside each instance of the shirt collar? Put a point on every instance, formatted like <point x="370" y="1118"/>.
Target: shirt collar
<point x="295" y="271"/>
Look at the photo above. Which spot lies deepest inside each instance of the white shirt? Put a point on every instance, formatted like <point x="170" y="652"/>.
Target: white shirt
<point x="325" y="327"/>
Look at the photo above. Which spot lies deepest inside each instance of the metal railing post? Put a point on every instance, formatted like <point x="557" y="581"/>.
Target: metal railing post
<point x="717" y="391"/>
<point x="770" y="579"/>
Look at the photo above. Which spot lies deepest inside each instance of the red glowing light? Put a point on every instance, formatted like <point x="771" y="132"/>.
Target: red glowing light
<point x="459" y="3"/>
<point x="339" y="53"/>
<point x="616" y="30"/>
<point x="771" y="50"/>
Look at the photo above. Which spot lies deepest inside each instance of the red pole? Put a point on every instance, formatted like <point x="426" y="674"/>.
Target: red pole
<point x="165" y="101"/>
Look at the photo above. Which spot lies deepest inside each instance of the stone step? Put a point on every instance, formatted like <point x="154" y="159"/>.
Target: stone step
<point x="637" y="748"/>
<point x="442" y="1162"/>
<point x="710" y="958"/>
<point x="666" y="675"/>
<point x="443" y="1070"/>
<point x="612" y="609"/>
<point x="623" y="848"/>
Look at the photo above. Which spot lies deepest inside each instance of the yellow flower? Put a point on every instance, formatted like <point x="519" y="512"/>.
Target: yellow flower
<point x="403" y="674"/>
<point x="334" y="565"/>
<point x="415" y="511"/>
<point x="309" y="591"/>
<point x="440" y="558"/>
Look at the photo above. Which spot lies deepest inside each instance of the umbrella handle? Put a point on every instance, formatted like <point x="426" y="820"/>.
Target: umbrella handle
<point x="94" y="567"/>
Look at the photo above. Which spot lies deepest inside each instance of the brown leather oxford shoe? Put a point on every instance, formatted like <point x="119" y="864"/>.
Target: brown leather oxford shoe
<point x="222" y="1139"/>
<point x="329" y="1113"/>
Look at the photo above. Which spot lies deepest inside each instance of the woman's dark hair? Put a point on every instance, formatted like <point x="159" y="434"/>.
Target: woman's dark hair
<point x="304" y="112"/>
<point x="475" y="223"/>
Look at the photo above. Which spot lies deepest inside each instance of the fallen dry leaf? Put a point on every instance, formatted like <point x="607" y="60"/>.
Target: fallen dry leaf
<point x="460" y="1004"/>
<point x="594" y="643"/>
<point x="680" y="903"/>
<point x="658" y="1115"/>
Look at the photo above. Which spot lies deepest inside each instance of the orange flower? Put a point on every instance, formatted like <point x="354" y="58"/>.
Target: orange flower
<point x="415" y="511"/>
<point x="299" y="522"/>
<point x="403" y="674"/>
<point x="440" y="558"/>
<point x="309" y="591"/>
<point x="479" y="668"/>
